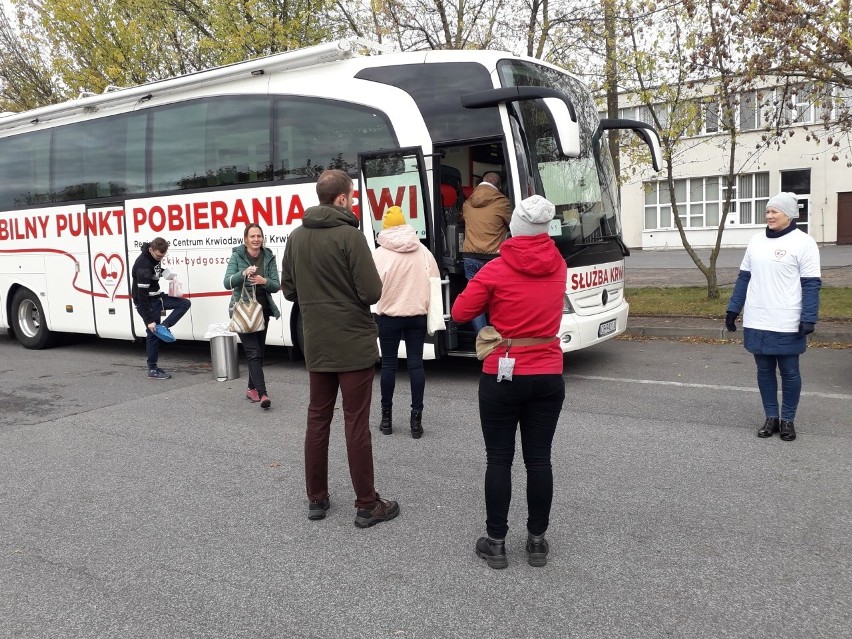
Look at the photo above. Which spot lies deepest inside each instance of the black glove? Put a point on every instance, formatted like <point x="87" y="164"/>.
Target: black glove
<point x="805" y="328"/>
<point x="731" y="321"/>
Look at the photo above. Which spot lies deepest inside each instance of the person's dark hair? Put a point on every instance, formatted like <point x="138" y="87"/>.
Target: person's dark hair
<point x="251" y="226"/>
<point x="493" y="178"/>
<point x="160" y="244"/>
<point x="332" y="183"/>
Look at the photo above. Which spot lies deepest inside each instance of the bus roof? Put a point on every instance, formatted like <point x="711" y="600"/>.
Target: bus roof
<point x="112" y="96"/>
<point x="322" y="54"/>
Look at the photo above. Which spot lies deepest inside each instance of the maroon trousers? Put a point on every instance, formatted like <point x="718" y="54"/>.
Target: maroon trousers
<point x="356" y="388"/>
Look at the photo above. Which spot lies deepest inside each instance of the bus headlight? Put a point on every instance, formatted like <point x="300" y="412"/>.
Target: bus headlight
<point x="566" y="306"/>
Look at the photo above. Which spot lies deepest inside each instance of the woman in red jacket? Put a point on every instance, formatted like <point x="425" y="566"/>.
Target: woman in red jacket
<point x="522" y="291"/>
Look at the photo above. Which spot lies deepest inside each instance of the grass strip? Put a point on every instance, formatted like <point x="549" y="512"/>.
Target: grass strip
<point x="835" y="303"/>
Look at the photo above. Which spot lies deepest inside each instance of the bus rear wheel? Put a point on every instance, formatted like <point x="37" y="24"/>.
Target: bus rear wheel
<point x="28" y="321"/>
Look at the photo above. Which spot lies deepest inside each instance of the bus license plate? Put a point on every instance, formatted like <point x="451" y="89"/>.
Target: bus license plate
<point x="606" y="328"/>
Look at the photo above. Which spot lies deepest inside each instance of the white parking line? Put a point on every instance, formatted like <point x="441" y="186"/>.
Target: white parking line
<point x="658" y="382"/>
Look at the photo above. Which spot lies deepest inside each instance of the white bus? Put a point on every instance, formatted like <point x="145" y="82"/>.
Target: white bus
<point x="195" y="158"/>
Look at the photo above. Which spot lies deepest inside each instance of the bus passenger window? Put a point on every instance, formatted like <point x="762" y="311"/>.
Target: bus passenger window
<point x="313" y="135"/>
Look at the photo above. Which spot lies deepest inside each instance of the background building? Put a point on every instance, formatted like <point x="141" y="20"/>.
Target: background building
<point x="800" y="165"/>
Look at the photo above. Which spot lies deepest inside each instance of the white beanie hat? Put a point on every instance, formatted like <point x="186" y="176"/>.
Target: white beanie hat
<point x="787" y="203"/>
<point x="532" y="216"/>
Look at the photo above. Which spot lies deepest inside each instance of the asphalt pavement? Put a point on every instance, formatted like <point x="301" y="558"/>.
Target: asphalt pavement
<point x="674" y="267"/>
<point x="175" y="509"/>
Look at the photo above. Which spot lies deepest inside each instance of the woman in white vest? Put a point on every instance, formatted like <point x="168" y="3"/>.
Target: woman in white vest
<point x="778" y="291"/>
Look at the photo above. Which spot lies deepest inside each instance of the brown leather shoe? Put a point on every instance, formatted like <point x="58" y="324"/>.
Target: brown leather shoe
<point x="382" y="510"/>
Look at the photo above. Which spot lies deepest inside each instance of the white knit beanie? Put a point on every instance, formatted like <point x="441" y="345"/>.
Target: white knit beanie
<point x="787" y="203"/>
<point x="532" y="216"/>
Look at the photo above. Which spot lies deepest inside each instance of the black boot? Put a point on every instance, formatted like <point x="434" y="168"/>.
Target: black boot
<point x="788" y="431"/>
<point x="537" y="549"/>
<point x="386" y="425"/>
<point x="416" y="426"/>
<point x="770" y="426"/>
<point x="493" y="551"/>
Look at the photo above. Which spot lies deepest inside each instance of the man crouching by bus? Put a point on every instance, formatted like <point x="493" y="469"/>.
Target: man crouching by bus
<point x="328" y="271"/>
<point x="150" y="302"/>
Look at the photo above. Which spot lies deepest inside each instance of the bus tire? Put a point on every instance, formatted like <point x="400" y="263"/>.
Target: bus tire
<point x="29" y="322"/>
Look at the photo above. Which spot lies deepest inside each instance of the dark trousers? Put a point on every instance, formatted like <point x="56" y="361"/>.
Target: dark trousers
<point x="471" y="268"/>
<point x="791" y="384"/>
<point x="356" y="387"/>
<point x="254" y="344"/>
<point x="413" y="331"/>
<point x="534" y="402"/>
<point x="178" y="307"/>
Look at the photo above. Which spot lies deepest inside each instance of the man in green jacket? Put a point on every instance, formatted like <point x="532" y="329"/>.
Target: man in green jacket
<point x="329" y="272"/>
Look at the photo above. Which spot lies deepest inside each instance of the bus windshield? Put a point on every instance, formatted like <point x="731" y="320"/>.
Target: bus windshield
<point x="583" y="189"/>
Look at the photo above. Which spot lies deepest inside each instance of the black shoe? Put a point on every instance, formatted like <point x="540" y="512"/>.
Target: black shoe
<point x="382" y="510"/>
<point x="386" y="425"/>
<point x="493" y="551"/>
<point x="316" y="509"/>
<point x="770" y="426"/>
<point x="416" y="425"/>
<point x="788" y="431"/>
<point x="537" y="549"/>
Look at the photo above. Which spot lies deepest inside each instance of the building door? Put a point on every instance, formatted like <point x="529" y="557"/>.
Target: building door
<point x="844" y="218"/>
<point x="799" y="182"/>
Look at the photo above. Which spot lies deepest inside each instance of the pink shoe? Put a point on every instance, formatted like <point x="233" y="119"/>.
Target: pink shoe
<point x="265" y="402"/>
<point x="252" y="396"/>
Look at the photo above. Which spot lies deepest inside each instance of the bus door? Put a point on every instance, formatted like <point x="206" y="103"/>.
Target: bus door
<point x="401" y="177"/>
<point x="109" y="271"/>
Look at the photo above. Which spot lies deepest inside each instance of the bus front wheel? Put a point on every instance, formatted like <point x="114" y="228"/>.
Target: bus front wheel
<point x="28" y="320"/>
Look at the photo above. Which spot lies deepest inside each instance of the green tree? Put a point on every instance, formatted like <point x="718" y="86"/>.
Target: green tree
<point x="26" y="80"/>
<point x="806" y="45"/>
<point x="676" y="52"/>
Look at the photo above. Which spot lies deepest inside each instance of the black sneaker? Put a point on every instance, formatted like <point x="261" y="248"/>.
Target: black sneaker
<point x="316" y="509"/>
<point x="537" y="549"/>
<point x="158" y="373"/>
<point x="382" y="510"/>
<point x="493" y="551"/>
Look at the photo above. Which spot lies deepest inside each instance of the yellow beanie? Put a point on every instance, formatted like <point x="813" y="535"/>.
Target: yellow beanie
<point x="393" y="217"/>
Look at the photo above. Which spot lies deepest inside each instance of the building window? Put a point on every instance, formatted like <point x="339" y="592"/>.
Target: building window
<point x="711" y="117"/>
<point x="749" y="111"/>
<point x="752" y="196"/>
<point x="798" y="105"/>
<point x="700" y="200"/>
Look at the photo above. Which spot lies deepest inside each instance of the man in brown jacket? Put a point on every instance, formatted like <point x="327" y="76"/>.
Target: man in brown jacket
<point x="486" y="215"/>
<point x="328" y="270"/>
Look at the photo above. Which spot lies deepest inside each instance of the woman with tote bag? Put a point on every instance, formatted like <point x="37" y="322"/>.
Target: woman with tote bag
<point x="405" y="267"/>
<point x="252" y="275"/>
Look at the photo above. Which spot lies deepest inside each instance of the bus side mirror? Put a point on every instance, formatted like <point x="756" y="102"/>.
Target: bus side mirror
<point x="645" y="131"/>
<point x="565" y="127"/>
<point x="557" y="106"/>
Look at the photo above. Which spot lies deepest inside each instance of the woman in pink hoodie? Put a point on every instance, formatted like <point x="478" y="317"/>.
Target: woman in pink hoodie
<point x="523" y="292"/>
<point x="405" y="267"/>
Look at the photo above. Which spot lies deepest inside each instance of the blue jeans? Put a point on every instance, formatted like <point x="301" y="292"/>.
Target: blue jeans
<point x="534" y="402"/>
<point x="471" y="268"/>
<point x="791" y="384"/>
<point x="254" y="344"/>
<point x="178" y="305"/>
<point x="413" y="331"/>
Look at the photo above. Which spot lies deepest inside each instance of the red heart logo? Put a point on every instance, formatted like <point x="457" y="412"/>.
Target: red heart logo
<point x="779" y="254"/>
<point x="110" y="270"/>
